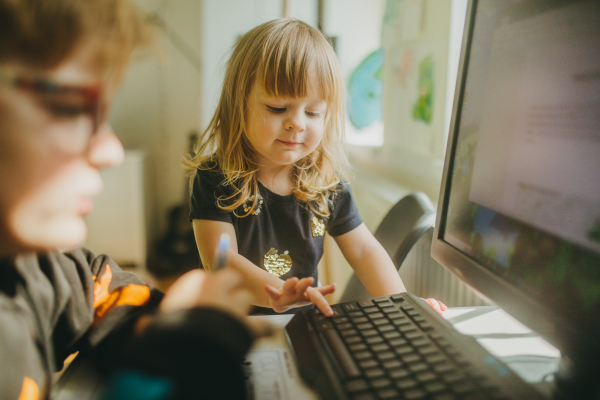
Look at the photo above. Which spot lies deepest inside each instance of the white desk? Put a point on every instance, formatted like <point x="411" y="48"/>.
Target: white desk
<point x="530" y="356"/>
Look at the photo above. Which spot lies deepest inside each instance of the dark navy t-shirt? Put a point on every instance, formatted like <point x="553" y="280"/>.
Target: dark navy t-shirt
<point x="283" y="236"/>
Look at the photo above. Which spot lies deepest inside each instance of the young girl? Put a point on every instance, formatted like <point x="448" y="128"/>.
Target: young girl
<point x="271" y="171"/>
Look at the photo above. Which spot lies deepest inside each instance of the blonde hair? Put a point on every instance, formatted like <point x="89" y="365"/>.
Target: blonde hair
<point x="277" y="56"/>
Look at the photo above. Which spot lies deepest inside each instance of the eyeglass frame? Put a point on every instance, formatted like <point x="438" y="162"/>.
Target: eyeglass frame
<point x="92" y="94"/>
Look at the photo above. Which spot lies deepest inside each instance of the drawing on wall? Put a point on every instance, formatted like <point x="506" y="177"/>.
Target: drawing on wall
<point x="423" y="108"/>
<point x="412" y="93"/>
<point x="365" y="91"/>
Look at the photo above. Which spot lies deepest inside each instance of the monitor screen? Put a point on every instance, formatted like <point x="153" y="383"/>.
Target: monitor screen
<point x="519" y="214"/>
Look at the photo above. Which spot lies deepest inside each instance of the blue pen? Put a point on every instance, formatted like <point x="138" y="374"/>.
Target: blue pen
<point x="222" y="248"/>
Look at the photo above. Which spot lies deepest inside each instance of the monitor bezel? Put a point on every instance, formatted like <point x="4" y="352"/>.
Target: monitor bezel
<point x="549" y="323"/>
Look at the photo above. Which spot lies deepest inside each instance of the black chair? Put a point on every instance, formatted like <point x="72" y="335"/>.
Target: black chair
<point x="400" y="229"/>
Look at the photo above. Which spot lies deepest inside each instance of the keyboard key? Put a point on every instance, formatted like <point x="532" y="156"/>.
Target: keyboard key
<point x="356" y="385"/>
<point x="407" y="307"/>
<point x="380" y="321"/>
<point x="365" y="303"/>
<point x="356" y="314"/>
<point x="410" y="358"/>
<point x="352" y="339"/>
<point x="400" y="350"/>
<point x="443" y="367"/>
<point x="350" y="307"/>
<point x="407" y="328"/>
<point x="364" y="326"/>
<point x="389" y="309"/>
<point x="391" y="335"/>
<point x="349" y="332"/>
<point x="345" y="325"/>
<point x="411" y="312"/>
<point x="369" y="332"/>
<point x="386" y="328"/>
<point x="427" y="350"/>
<point x="380" y="347"/>
<point x="385" y="355"/>
<point x="416" y="394"/>
<point x="420" y="342"/>
<point x="388" y="393"/>
<point x="374" y="373"/>
<point x="374" y="315"/>
<point x="419" y="318"/>
<point x="392" y="313"/>
<point x="374" y="339"/>
<point x="426" y="376"/>
<point x="371" y="310"/>
<point x="380" y="383"/>
<point x="397" y="297"/>
<point x="357" y="347"/>
<point x="426" y="326"/>
<point x="406" y="383"/>
<point x="370" y="363"/>
<point x="391" y="364"/>
<point x="397" y="342"/>
<point x="413" y="335"/>
<point x="401" y="321"/>
<point x="418" y="367"/>
<point x="360" y="320"/>
<point x="399" y="373"/>
<point x="361" y="355"/>
<point x="381" y="299"/>
<point x="339" y="320"/>
<point x="435" y="358"/>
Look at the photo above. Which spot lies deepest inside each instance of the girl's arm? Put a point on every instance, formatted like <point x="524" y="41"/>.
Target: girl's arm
<point x="370" y="262"/>
<point x="268" y="290"/>
<point x="373" y="265"/>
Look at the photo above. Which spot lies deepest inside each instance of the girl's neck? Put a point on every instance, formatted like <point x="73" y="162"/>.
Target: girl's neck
<point x="277" y="179"/>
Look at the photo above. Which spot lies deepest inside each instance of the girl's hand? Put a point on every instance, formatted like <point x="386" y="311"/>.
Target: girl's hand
<point x="437" y="305"/>
<point x="299" y="292"/>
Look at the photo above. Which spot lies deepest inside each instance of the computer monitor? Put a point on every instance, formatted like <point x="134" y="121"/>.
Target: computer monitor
<point x="519" y="212"/>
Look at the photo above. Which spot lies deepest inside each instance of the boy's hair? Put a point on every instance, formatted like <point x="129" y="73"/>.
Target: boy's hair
<point x="43" y="33"/>
<point x="277" y="56"/>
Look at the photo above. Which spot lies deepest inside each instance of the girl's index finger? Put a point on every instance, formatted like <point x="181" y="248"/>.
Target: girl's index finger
<point x="318" y="300"/>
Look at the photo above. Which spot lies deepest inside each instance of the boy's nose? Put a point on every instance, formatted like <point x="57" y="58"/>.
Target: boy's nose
<point x="295" y="121"/>
<point x="105" y="148"/>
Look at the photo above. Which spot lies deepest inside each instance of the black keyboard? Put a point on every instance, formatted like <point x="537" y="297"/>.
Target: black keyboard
<point x="396" y="347"/>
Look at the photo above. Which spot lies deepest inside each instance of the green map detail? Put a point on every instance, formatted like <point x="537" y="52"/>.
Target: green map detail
<point x="423" y="109"/>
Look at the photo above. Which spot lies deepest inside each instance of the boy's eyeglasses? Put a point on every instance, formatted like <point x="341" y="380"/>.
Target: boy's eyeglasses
<point x="63" y="101"/>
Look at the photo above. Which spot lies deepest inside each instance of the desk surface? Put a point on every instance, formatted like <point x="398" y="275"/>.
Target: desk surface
<point x="275" y="376"/>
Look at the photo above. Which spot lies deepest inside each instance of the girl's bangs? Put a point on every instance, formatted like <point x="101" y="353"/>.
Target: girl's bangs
<point x="290" y="66"/>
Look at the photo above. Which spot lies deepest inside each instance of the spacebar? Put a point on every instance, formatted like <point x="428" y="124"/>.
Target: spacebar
<point x="343" y="356"/>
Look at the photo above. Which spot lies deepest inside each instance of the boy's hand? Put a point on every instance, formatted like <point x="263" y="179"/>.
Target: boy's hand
<point x="437" y="305"/>
<point x="223" y="290"/>
<point x="299" y="292"/>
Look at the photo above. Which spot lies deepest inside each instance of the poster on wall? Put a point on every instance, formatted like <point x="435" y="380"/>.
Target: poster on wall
<point x="412" y="96"/>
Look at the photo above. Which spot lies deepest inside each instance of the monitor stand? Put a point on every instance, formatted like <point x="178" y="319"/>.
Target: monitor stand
<point x="577" y="380"/>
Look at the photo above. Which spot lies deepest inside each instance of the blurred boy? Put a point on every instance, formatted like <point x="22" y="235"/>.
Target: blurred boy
<point x="60" y="61"/>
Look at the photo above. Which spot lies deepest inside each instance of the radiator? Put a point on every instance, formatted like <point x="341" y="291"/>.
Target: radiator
<point x="425" y="277"/>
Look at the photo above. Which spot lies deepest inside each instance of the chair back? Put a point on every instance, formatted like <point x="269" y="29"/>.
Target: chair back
<point x="398" y="232"/>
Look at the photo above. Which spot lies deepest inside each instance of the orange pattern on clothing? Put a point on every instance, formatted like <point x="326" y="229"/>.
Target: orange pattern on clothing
<point x="30" y="390"/>
<point x="135" y="295"/>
